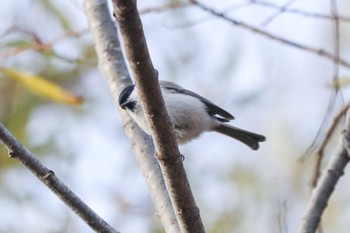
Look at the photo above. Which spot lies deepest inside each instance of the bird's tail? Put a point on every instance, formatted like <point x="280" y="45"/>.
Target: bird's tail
<point x="250" y="139"/>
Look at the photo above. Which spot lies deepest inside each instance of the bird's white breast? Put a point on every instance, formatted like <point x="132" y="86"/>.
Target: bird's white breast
<point x="188" y="115"/>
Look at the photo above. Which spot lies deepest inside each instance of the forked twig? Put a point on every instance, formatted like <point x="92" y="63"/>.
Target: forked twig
<point x="317" y="51"/>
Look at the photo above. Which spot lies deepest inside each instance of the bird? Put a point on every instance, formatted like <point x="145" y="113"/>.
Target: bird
<point x="190" y="114"/>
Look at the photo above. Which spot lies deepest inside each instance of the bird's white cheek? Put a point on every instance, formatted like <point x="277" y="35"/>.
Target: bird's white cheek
<point x="140" y="120"/>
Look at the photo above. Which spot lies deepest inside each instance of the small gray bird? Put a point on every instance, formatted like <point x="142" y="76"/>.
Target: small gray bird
<point x="190" y="114"/>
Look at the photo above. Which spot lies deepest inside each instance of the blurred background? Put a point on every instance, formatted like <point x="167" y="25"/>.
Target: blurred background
<point x="270" y="87"/>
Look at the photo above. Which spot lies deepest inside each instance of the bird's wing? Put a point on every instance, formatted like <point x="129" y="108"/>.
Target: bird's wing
<point x="213" y="109"/>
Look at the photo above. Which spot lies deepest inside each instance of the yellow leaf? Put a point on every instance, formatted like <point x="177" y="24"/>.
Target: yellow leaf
<point x="340" y="82"/>
<point x="42" y="87"/>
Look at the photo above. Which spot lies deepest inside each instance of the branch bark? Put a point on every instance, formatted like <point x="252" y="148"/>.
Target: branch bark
<point x="113" y="66"/>
<point x="166" y="150"/>
<point x="48" y="177"/>
<point x="326" y="185"/>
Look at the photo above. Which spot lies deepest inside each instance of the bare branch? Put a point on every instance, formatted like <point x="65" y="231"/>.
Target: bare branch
<point x="324" y="142"/>
<point x="297" y="11"/>
<point x="48" y="177"/>
<point x="36" y="42"/>
<point x="113" y="66"/>
<point x="323" y="127"/>
<point x="280" y="11"/>
<point x="319" y="52"/>
<point x="336" y="37"/>
<point x="168" y="6"/>
<point x="325" y="187"/>
<point x="335" y="169"/>
<point x="166" y="148"/>
<point x="335" y="78"/>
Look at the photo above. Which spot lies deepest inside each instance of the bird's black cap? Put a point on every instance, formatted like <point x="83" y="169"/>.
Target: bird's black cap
<point x="124" y="95"/>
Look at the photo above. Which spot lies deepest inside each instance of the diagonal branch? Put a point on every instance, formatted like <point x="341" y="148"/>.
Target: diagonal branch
<point x="337" y="90"/>
<point x="324" y="142"/>
<point x="322" y="191"/>
<point x="48" y="177"/>
<point x="326" y="185"/>
<point x="297" y="11"/>
<point x="317" y="51"/>
<point x="113" y="66"/>
<point x="166" y="148"/>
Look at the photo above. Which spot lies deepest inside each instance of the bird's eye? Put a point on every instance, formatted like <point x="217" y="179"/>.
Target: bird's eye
<point x="129" y="105"/>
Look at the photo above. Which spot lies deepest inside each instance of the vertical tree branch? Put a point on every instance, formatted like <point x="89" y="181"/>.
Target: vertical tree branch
<point x="336" y="38"/>
<point x="113" y="66"/>
<point x="166" y="148"/>
<point x="337" y="90"/>
<point x="48" y="177"/>
<point x="335" y="169"/>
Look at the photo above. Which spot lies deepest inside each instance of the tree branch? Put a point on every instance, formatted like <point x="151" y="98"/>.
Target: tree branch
<point x="113" y="66"/>
<point x="48" y="177"/>
<point x="327" y="136"/>
<point x="326" y="185"/>
<point x="166" y="148"/>
<point x="280" y="11"/>
<point x="297" y="11"/>
<point x="335" y="169"/>
<point x="165" y="7"/>
<point x="317" y="51"/>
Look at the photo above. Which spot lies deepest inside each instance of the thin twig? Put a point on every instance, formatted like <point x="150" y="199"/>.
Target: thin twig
<point x="318" y="201"/>
<point x="297" y="11"/>
<point x="324" y="142"/>
<point x="323" y="127"/>
<point x="336" y="33"/>
<point x="280" y="11"/>
<point x="335" y="78"/>
<point x="165" y="7"/>
<point x="48" y="177"/>
<point x="281" y="217"/>
<point x="203" y="19"/>
<point x="36" y="42"/>
<point x="310" y="222"/>
<point x="319" y="52"/>
<point x="336" y="38"/>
